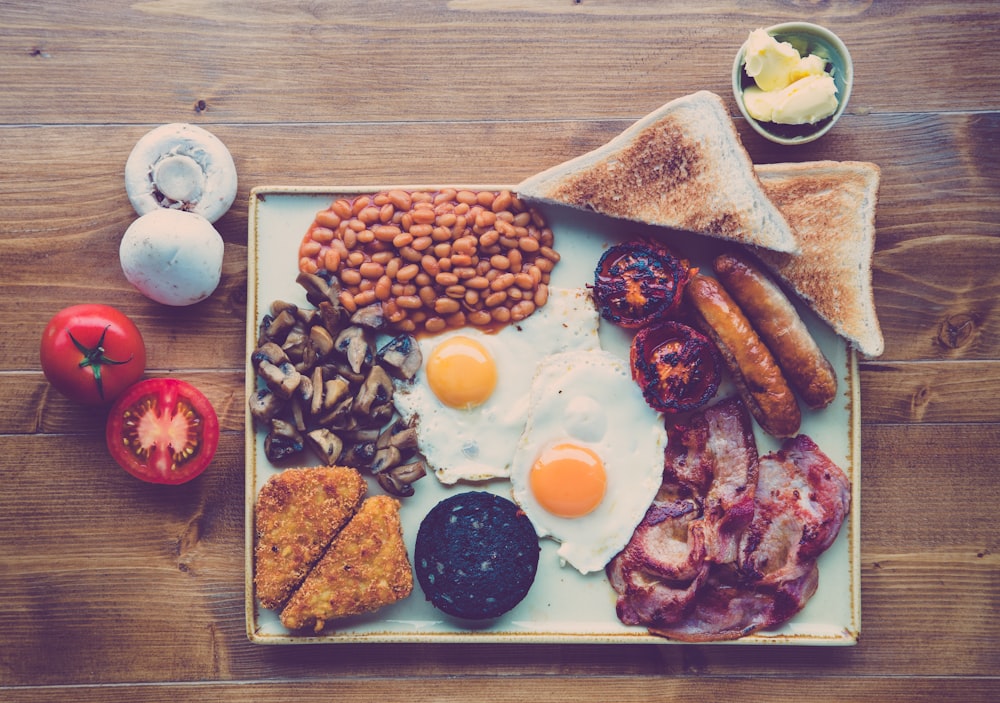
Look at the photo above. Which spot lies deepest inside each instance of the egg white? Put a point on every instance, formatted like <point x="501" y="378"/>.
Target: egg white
<point x="589" y="398"/>
<point x="477" y="444"/>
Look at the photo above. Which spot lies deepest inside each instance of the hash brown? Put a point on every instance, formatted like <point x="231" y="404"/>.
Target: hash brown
<point x="299" y="511"/>
<point x="365" y="568"/>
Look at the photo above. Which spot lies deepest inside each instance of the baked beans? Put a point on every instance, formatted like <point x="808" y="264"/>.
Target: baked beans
<point x="435" y="260"/>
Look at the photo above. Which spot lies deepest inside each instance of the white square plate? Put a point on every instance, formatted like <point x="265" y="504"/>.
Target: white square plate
<point x="563" y="606"/>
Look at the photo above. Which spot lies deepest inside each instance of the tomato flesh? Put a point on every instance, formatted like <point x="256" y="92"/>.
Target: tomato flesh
<point x="163" y="430"/>
<point x="677" y="367"/>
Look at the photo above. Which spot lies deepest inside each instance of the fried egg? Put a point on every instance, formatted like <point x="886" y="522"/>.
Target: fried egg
<point x="470" y="399"/>
<point x="590" y="459"/>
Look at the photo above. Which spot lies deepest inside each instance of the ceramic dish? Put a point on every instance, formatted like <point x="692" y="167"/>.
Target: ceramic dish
<point x="807" y="38"/>
<point x="563" y="606"/>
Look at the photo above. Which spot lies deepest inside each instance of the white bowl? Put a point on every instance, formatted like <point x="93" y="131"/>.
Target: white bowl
<point x="808" y="38"/>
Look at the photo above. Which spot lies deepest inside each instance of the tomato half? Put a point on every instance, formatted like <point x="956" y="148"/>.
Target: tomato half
<point x="91" y="353"/>
<point x="163" y="430"/>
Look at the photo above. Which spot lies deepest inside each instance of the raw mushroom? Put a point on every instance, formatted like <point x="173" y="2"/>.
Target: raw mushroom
<point x="172" y="256"/>
<point x="181" y="167"/>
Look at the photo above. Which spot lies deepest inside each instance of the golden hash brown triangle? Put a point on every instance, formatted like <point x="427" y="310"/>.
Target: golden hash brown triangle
<point x="299" y="511"/>
<point x="365" y="568"/>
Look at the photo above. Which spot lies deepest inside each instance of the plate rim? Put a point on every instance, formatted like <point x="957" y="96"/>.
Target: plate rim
<point x="849" y="636"/>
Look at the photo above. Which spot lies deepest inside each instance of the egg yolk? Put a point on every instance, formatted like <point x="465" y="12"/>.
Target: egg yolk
<point x="568" y="480"/>
<point x="461" y="373"/>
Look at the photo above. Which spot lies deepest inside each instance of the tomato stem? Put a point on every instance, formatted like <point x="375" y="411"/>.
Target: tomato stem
<point x="94" y="358"/>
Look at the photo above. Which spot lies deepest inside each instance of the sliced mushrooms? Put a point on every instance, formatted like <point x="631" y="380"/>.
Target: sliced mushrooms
<point x="324" y="389"/>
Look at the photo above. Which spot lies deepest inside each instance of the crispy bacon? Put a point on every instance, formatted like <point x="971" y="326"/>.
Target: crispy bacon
<point x="730" y="546"/>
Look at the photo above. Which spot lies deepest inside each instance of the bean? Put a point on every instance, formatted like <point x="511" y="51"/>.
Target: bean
<point x="423" y="230"/>
<point x="485" y="198"/>
<point x="441" y="234"/>
<point x="407" y="272"/>
<point x="421" y="243"/>
<point x="410" y="254"/>
<point x="485" y="219"/>
<point x="364" y="298"/>
<point x="494" y="299"/>
<point x="502" y="282"/>
<point x="541" y="295"/>
<point x="350" y="239"/>
<point x="400" y="199"/>
<point x="356" y="258"/>
<point x="549" y="253"/>
<point x="331" y="260"/>
<point x="446" y="279"/>
<point x="434" y="324"/>
<point x="456" y="319"/>
<point x="516" y="260"/>
<point x="360" y="203"/>
<point x="477" y="283"/>
<point x="410" y="302"/>
<point x="523" y="281"/>
<point x="357" y="225"/>
<point x="321" y="234"/>
<point x="528" y="244"/>
<point x="489" y="238"/>
<point x="310" y="248"/>
<point x="442" y="250"/>
<point x="448" y="220"/>
<point x="386" y="212"/>
<point x="342" y="209"/>
<point x="350" y="277"/>
<point x="427" y="295"/>
<point x="383" y="288"/>
<point x="369" y="215"/>
<point x="430" y="265"/>
<point x="500" y="262"/>
<point x="522" y="219"/>
<point x="386" y="233"/>
<point x="445" y="195"/>
<point x="392" y="267"/>
<point x="464" y="273"/>
<point x="457" y="292"/>
<point x="462" y="260"/>
<point x="480" y="318"/>
<point x="402" y="239"/>
<point x="423" y="216"/>
<point x="308" y="265"/>
<point x="466" y="197"/>
<point x="471" y="297"/>
<point x="500" y="314"/>
<point x="502" y="201"/>
<point x="382" y="257"/>
<point x="521" y="310"/>
<point x="446" y="306"/>
<point x="347" y="301"/>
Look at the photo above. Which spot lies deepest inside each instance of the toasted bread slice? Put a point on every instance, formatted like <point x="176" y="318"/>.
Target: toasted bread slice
<point x="298" y="513"/>
<point x="365" y="568"/>
<point x="831" y="205"/>
<point x="682" y="166"/>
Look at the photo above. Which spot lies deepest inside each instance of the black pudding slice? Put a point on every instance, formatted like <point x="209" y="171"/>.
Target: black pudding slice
<point x="476" y="555"/>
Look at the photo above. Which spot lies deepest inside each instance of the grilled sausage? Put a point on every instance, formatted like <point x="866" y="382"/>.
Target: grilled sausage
<point x="755" y="373"/>
<point x="778" y="323"/>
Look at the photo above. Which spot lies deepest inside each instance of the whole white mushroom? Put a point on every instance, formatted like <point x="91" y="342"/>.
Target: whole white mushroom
<point x="182" y="167"/>
<point x="172" y="256"/>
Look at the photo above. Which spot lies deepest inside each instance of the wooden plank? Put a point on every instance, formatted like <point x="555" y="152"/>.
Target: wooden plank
<point x="331" y="61"/>
<point x="129" y="582"/>
<point x="690" y="685"/>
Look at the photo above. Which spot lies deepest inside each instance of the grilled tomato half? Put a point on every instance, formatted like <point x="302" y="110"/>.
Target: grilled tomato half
<point x="677" y="367"/>
<point x="636" y="283"/>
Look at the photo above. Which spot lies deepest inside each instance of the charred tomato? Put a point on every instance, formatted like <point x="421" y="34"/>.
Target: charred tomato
<point x="91" y="353"/>
<point x="677" y="367"/>
<point x="163" y="430"/>
<point x="636" y="283"/>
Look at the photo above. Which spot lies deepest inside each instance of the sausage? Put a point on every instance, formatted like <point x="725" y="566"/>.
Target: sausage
<point x="778" y="323"/>
<point x="754" y="371"/>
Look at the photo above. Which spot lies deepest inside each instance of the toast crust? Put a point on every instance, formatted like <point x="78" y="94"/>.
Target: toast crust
<point x="832" y="207"/>
<point x="682" y="166"/>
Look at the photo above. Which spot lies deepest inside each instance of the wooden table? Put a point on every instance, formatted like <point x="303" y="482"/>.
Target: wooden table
<point x="117" y="590"/>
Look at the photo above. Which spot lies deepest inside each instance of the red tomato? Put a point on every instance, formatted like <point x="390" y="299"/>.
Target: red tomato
<point x="91" y="353"/>
<point x="163" y="430"/>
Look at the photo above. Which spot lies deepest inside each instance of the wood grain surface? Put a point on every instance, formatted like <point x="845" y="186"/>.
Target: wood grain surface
<point x="118" y="590"/>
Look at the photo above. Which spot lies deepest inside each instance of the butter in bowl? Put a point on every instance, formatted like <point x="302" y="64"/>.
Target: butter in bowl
<point x="792" y="81"/>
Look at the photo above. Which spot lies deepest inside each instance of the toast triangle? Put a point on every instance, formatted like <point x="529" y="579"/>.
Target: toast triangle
<point x="831" y="205"/>
<point x="682" y="166"/>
